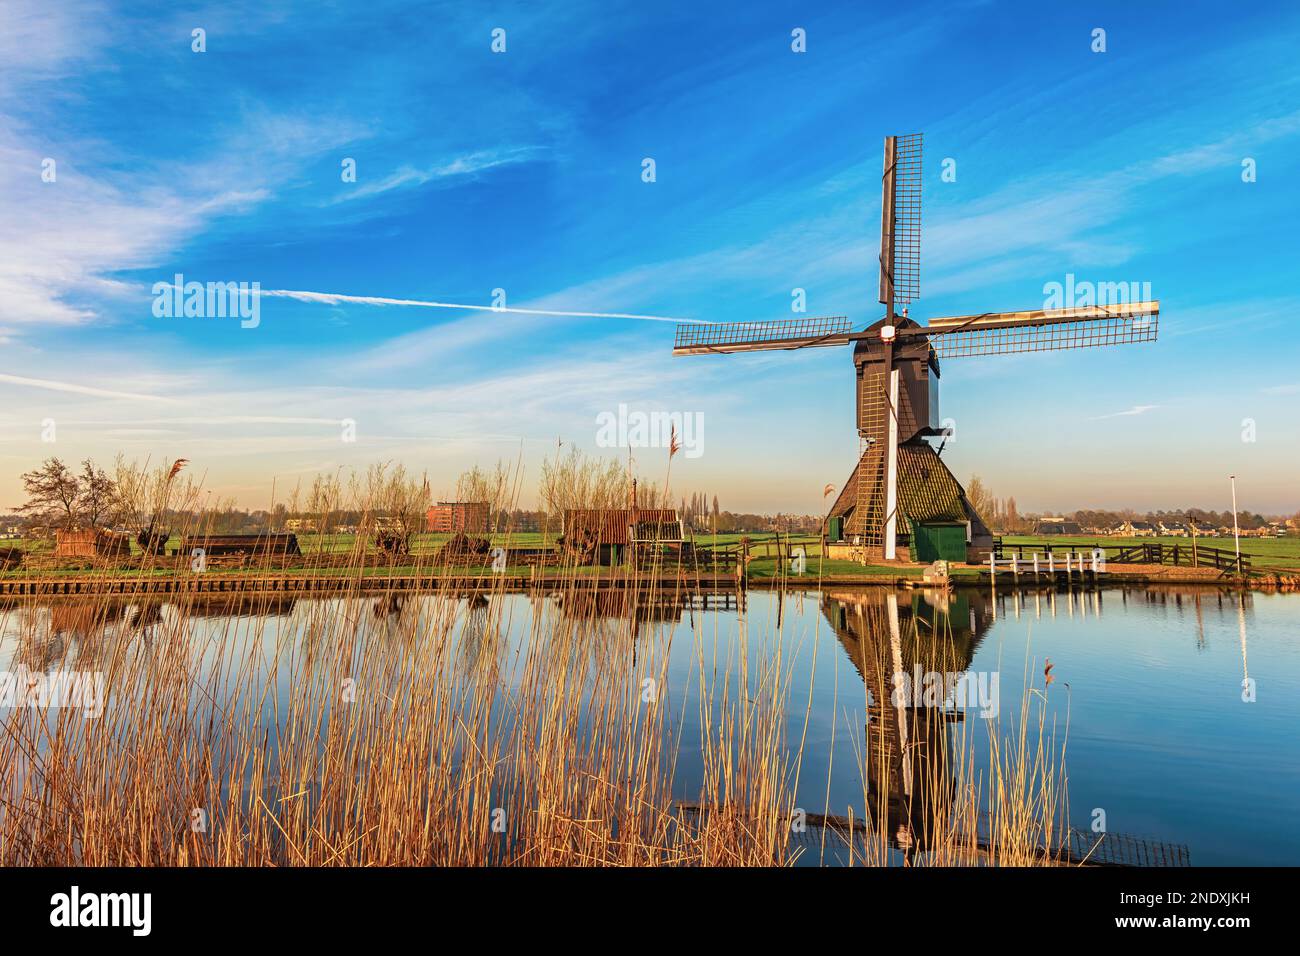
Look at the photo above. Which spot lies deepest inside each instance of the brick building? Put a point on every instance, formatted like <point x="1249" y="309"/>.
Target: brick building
<point x="449" y="517"/>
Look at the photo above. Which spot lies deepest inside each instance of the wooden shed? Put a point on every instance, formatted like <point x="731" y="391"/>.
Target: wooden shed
<point x="609" y="536"/>
<point x="245" y="546"/>
<point x="91" y="543"/>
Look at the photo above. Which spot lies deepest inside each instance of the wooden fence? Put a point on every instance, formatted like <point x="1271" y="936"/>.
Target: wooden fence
<point x="1178" y="555"/>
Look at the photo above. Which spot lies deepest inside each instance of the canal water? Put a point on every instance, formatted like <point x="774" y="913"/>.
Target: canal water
<point x="1175" y="713"/>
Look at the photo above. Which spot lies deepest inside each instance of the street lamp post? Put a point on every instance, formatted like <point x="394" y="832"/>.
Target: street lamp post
<point x="1236" y="534"/>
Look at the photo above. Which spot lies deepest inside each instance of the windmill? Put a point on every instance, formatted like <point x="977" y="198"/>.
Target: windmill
<point x="900" y="485"/>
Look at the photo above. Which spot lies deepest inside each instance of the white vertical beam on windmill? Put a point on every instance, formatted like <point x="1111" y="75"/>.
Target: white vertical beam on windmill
<point x="891" y="471"/>
<point x="887" y="223"/>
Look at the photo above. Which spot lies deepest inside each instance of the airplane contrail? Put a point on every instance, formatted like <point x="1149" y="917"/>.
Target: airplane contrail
<point x="80" y="389"/>
<point x="333" y="298"/>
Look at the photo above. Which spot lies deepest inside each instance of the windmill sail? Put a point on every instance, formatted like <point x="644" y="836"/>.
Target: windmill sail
<point x="900" y="221"/>
<point x="701" y="338"/>
<point x="1043" y="330"/>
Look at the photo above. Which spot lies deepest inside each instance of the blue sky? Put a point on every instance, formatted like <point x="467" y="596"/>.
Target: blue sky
<point x="522" y="171"/>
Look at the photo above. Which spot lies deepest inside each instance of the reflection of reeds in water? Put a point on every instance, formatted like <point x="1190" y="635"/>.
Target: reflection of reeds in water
<point x="403" y="732"/>
<point x="250" y="730"/>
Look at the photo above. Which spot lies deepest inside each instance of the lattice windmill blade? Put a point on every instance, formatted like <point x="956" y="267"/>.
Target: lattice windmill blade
<point x="900" y="221"/>
<point x="701" y="338"/>
<point x="1042" y="330"/>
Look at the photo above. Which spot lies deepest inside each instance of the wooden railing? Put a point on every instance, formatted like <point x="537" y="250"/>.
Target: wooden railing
<point x="1179" y="555"/>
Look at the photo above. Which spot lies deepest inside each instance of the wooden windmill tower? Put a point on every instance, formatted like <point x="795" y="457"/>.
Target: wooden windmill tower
<point x="900" y="485"/>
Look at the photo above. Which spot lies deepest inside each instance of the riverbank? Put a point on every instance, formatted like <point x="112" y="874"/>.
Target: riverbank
<point x="378" y="580"/>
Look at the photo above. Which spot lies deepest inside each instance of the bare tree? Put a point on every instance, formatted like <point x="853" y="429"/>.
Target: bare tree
<point x="144" y="497"/>
<point x="980" y="498"/>
<point x="576" y="481"/>
<point x="323" y="502"/>
<point x="53" y="493"/>
<point x="395" y="506"/>
<point x="493" y="488"/>
<point x="97" y="497"/>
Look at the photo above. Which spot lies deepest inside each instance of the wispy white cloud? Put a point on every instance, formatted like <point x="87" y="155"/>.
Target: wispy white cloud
<point x="74" y="388"/>
<point x="1069" y="220"/>
<point x="453" y="170"/>
<point x="1135" y="410"/>
<point x="335" y="298"/>
<point x="43" y="41"/>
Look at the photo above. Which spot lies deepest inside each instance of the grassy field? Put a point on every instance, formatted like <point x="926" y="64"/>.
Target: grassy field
<point x="1263" y="552"/>
<point x="430" y="541"/>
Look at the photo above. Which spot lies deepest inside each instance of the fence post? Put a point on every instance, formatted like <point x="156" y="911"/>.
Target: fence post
<point x="1035" y="564"/>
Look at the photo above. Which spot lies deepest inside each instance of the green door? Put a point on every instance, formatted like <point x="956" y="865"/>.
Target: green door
<point x="939" y="542"/>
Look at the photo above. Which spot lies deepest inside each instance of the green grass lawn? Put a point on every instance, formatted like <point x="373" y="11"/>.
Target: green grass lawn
<point x="766" y="568"/>
<point x="1263" y="552"/>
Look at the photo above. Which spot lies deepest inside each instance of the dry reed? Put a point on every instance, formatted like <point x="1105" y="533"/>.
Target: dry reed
<point x="434" y="729"/>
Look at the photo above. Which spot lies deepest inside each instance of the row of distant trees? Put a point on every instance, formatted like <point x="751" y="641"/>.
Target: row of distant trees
<point x="147" y="500"/>
<point x="1003" y="517"/>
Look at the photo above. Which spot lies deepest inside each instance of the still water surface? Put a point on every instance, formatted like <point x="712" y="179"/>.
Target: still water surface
<point x="1178" y="710"/>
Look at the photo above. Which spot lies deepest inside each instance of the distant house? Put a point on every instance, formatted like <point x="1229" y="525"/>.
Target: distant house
<point x="1175" y="529"/>
<point x="300" y="524"/>
<point x="609" y="536"/>
<point x="1137" y="529"/>
<point x="451" y="517"/>
<point x="1057" y="526"/>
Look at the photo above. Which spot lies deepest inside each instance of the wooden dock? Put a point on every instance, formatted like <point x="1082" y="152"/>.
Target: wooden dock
<point x="302" y="584"/>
